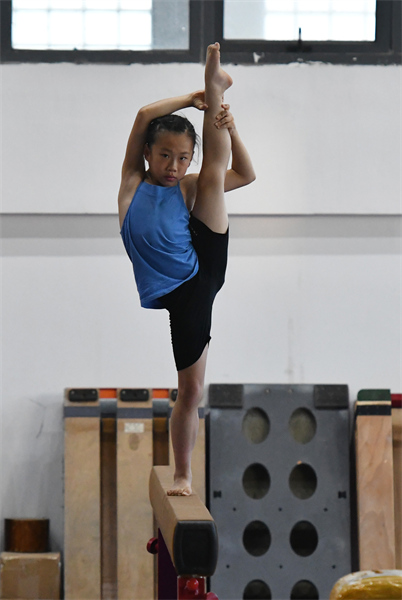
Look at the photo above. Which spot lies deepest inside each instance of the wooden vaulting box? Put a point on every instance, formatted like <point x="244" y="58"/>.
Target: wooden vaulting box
<point x="376" y="483"/>
<point x="33" y="576"/>
<point x="113" y="437"/>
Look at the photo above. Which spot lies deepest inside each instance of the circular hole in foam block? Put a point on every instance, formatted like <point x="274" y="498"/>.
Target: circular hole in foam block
<point x="303" y="481"/>
<point x="256" y="481"/>
<point x="256" y="538"/>
<point x="302" y="425"/>
<point x="304" y="590"/>
<point x="255" y="425"/>
<point x="257" y="590"/>
<point x="304" y="538"/>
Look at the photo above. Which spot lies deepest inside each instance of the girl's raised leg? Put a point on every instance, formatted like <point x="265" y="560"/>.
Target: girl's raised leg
<point x="209" y="208"/>
<point x="209" y="205"/>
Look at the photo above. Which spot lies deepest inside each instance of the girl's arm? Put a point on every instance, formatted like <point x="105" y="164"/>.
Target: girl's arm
<point x="133" y="170"/>
<point x="242" y="171"/>
<point x="134" y="158"/>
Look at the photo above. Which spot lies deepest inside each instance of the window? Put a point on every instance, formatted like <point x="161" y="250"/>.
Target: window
<point x="100" y="24"/>
<point x="100" y="30"/>
<point x="324" y="20"/>
<point x="336" y="31"/>
<point x="250" y="31"/>
<point x="81" y="25"/>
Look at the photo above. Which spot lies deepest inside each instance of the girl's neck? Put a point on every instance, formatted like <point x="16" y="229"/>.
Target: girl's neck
<point x="150" y="181"/>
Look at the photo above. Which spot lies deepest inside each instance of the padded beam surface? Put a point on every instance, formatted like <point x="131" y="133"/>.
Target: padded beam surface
<point x="187" y="527"/>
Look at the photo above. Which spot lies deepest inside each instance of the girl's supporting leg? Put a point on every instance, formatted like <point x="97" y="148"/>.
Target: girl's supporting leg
<point x="184" y="423"/>
<point x="210" y="206"/>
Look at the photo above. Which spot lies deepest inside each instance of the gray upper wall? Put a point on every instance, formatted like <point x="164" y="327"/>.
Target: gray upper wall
<point x="324" y="139"/>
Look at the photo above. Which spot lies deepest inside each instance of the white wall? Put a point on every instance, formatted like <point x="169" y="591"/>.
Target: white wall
<point x="324" y="139"/>
<point x="308" y="299"/>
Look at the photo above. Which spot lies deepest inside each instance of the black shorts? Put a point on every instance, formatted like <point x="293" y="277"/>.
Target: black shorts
<point x="190" y="305"/>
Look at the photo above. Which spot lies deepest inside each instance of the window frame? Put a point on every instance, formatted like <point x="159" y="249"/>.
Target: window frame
<point x="206" y="26"/>
<point x="386" y="49"/>
<point x="10" y="54"/>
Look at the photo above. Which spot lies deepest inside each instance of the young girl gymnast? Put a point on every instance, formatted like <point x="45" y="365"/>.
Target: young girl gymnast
<point x="175" y="230"/>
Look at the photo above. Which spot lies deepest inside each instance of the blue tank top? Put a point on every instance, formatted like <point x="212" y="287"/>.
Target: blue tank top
<point x="157" y="239"/>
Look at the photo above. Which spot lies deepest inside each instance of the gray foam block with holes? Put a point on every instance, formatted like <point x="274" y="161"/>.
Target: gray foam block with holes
<point x="278" y="489"/>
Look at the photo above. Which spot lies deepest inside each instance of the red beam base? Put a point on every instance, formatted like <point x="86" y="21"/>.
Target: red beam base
<point x="193" y="588"/>
<point x="171" y="586"/>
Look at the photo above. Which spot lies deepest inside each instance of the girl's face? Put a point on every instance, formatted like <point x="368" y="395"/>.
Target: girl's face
<point x="169" y="158"/>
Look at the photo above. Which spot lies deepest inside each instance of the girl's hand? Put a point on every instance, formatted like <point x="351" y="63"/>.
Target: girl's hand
<point x="198" y="100"/>
<point x="225" y="120"/>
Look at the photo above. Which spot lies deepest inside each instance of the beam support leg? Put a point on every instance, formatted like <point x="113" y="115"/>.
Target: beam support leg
<point x="167" y="577"/>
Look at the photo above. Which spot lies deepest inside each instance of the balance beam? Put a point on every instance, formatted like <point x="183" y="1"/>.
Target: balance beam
<point x="187" y="527"/>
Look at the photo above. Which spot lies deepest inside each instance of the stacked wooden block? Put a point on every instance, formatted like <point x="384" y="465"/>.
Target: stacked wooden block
<point x="113" y="437"/>
<point x="27" y="569"/>
<point x="378" y="443"/>
<point x="378" y="452"/>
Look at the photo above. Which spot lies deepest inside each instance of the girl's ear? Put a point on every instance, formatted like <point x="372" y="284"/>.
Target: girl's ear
<point x="147" y="152"/>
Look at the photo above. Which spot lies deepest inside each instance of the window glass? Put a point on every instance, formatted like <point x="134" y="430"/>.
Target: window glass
<point x="33" y="4"/>
<point x="137" y="26"/>
<point x="65" y="29"/>
<point x="317" y="20"/>
<point x="65" y="4"/>
<point x="30" y="29"/>
<point x="100" y="24"/>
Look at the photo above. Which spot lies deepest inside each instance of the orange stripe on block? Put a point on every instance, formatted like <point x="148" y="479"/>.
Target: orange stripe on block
<point x="108" y="393"/>
<point x="160" y="393"/>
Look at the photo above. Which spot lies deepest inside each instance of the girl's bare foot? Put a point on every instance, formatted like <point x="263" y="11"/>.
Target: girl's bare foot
<point x="180" y="487"/>
<point x="215" y="76"/>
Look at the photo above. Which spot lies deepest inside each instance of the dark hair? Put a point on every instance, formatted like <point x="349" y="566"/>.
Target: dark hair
<point x="173" y="124"/>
